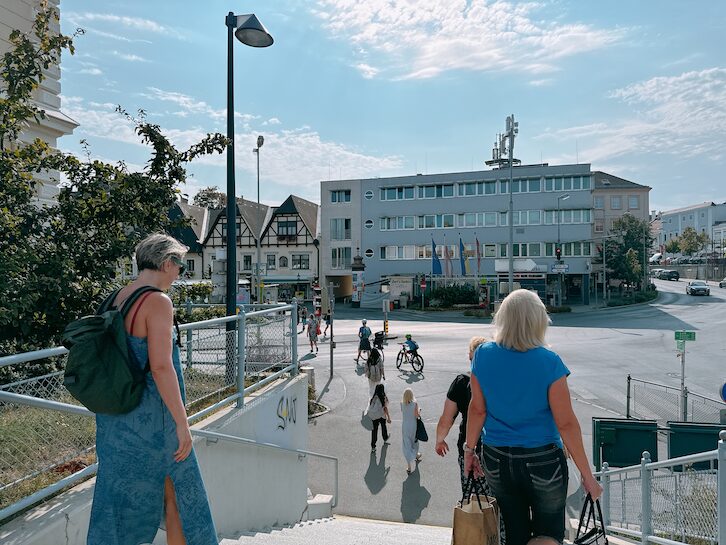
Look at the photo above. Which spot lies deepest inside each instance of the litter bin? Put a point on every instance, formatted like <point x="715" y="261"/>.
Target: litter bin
<point x="620" y="441"/>
<point x="396" y="304"/>
<point x="692" y="438"/>
<point x="404" y="301"/>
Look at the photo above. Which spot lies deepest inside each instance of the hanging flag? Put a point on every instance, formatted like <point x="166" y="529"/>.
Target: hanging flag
<point x="478" y="257"/>
<point x="447" y="257"/>
<point x="435" y="262"/>
<point x="463" y="260"/>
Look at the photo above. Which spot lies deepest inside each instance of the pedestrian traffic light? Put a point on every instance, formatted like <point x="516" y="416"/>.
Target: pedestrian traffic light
<point x="558" y="253"/>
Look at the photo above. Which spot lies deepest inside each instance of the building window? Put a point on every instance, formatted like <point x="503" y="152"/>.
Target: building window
<point x="598" y="202"/>
<point x="301" y="261"/>
<point x="271" y="262"/>
<point x="369" y="224"/>
<point x="190" y="265"/>
<point x="398" y="223"/>
<point x="435" y="191"/>
<point x="340" y="258"/>
<point x="368" y="195"/>
<point x="490" y="250"/>
<point x="286" y="230"/>
<point x="340" y="229"/>
<point x="246" y="262"/>
<point x="283" y="262"/>
<point x="396" y="193"/>
<point x="436" y="221"/>
<point x="340" y="195"/>
<point x="490" y="188"/>
<point x="633" y="202"/>
<point x="369" y="253"/>
<point x="598" y="227"/>
<point x="616" y="203"/>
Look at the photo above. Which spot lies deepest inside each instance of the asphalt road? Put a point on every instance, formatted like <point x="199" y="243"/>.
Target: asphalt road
<point x="600" y="347"/>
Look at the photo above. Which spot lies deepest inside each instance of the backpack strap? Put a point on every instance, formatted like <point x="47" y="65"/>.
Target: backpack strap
<point x="131" y="299"/>
<point x="108" y="302"/>
<point x="133" y="319"/>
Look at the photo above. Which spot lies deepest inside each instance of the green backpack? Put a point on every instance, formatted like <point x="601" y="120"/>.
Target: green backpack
<point x="101" y="372"/>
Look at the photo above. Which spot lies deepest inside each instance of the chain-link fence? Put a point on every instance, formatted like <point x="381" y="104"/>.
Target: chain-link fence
<point x="651" y="401"/>
<point x="39" y="446"/>
<point x="683" y="502"/>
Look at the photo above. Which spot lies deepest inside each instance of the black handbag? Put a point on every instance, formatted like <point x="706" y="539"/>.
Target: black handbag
<point x="421" y="434"/>
<point x="596" y="535"/>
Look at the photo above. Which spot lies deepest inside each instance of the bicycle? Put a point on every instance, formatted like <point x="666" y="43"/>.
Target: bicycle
<point x="412" y="357"/>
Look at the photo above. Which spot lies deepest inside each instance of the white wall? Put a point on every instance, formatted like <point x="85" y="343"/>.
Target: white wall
<point x="249" y="487"/>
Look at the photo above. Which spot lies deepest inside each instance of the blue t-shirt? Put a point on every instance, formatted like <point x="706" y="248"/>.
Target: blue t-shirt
<point x="515" y="387"/>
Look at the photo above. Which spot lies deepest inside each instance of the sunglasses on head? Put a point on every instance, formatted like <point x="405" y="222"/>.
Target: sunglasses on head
<point x="179" y="263"/>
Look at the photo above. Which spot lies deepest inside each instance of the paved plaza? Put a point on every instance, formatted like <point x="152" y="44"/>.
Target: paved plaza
<point x="600" y="347"/>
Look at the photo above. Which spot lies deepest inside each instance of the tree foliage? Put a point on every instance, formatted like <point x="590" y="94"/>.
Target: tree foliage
<point x="57" y="261"/>
<point x="690" y="241"/>
<point x="210" y="197"/>
<point x="626" y="252"/>
<point x="672" y="246"/>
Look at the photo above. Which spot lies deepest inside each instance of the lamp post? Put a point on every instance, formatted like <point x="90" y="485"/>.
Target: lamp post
<point x="256" y="151"/>
<point x="559" y="276"/>
<point x="249" y="31"/>
<point x="512" y="130"/>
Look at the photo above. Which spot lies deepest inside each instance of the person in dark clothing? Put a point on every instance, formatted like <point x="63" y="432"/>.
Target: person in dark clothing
<point x="378" y="413"/>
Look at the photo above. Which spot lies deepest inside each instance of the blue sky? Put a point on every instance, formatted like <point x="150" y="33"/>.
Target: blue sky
<point x="393" y="87"/>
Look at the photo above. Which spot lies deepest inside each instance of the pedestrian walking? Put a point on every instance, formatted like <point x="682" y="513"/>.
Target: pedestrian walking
<point x="519" y="395"/>
<point x="147" y="469"/>
<point x="375" y="373"/>
<point x="313" y="332"/>
<point x="411" y="412"/>
<point x="303" y="317"/>
<point x="327" y="323"/>
<point x="378" y="413"/>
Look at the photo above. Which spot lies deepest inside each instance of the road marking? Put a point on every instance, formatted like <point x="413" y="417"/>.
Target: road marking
<point x="598" y="406"/>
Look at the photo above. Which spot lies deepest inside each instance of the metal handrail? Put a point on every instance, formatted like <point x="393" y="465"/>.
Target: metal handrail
<point x="681" y="460"/>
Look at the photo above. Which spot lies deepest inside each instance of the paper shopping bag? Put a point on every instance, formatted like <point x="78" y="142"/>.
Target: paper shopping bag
<point x="476" y="522"/>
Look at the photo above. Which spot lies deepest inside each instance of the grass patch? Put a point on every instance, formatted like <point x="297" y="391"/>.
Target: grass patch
<point x="633" y="299"/>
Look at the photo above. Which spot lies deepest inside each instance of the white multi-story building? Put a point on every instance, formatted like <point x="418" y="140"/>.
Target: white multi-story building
<point x="20" y="15"/>
<point x="702" y="217"/>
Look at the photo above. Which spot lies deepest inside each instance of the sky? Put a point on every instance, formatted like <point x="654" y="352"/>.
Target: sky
<point x="362" y="89"/>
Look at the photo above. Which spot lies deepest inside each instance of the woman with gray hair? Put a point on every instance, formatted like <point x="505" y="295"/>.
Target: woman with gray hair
<point x="519" y="395"/>
<point x="147" y="469"/>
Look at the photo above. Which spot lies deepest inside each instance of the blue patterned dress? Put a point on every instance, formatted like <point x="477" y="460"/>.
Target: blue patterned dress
<point x="135" y="454"/>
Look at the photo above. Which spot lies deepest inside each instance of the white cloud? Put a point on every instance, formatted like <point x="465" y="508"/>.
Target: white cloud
<point x="188" y="104"/>
<point x="136" y="23"/>
<point x="130" y="57"/>
<point x="541" y="82"/>
<point x="91" y="71"/>
<point x="272" y="121"/>
<point x="402" y="39"/>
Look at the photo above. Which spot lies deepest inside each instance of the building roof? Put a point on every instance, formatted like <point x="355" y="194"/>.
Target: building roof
<point x="193" y="234"/>
<point x="603" y="180"/>
<point x="254" y="217"/>
<point x="308" y="212"/>
<point x="688" y="208"/>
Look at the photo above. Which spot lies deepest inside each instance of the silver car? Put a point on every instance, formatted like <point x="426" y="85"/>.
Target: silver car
<point x="698" y="287"/>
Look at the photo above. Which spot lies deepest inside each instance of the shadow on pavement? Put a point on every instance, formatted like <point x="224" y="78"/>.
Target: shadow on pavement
<point x="414" y="497"/>
<point x="377" y="473"/>
<point x="410" y="377"/>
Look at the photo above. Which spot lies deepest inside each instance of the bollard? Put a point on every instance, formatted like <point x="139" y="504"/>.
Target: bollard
<point x="646" y="524"/>
<point x="309" y="370"/>
<point x="627" y="400"/>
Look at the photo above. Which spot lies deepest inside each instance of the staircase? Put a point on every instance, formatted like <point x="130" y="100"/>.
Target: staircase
<point x="347" y="531"/>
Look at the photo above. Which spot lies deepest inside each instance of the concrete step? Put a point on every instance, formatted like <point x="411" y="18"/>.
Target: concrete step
<point x="341" y="530"/>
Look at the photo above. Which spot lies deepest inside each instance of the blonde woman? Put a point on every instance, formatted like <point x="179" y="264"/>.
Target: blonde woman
<point x="410" y="411"/>
<point x="519" y="396"/>
<point x="147" y="469"/>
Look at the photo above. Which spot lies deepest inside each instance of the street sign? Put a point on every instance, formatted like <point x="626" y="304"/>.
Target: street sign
<point x="560" y="268"/>
<point x="680" y="345"/>
<point x="685" y="335"/>
<point x="423" y="283"/>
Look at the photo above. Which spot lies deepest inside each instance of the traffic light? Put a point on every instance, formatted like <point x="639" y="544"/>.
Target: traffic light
<point x="558" y="253"/>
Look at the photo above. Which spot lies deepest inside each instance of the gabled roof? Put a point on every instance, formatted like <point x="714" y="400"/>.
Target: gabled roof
<point x="603" y="180"/>
<point x="253" y="216"/>
<point x="308" y="212"/>
<point x="192" y="235"/>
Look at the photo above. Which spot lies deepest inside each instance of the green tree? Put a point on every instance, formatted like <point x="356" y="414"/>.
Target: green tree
<point x="673" y="246"/>
<point x="57" y="261"/>
<point x="689" y="241"/>
<point x="210" y="197"/>
<point x="627" y="253"/>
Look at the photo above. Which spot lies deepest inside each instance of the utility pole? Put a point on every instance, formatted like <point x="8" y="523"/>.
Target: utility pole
<point x="331" y="307"/>
<point x="256" y="151"/>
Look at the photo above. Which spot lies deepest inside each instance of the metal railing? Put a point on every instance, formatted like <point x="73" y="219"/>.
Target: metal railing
<point x="652" y="401"/>
<point x="672" y="502"/>
<point x="43" y="451"/>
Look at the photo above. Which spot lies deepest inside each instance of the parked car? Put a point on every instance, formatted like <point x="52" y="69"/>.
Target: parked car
<point x="669" y="275"/>
<point x="655" y="258"/>
<point x="698" y="287"/>
<point x="655" y="272"/>
<point x="722" y="284"/>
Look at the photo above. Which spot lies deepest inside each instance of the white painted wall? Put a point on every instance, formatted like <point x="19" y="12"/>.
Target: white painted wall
<point x="249" y="487"/>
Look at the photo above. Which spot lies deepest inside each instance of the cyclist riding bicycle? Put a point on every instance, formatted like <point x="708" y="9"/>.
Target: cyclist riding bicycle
<point x="364" y="332"/>
<point x="410" y="345"/>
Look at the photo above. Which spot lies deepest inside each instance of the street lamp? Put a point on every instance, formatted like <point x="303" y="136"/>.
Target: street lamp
<point x="256" y="151"/>
<point x="559" y="276"/>
<point x="249" y="31"/>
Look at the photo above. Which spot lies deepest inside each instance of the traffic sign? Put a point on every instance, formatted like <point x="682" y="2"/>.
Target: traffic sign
<point x="423" y="283"/>
<point x="560" y="268"/>
<point x="680" y="345"/>
<point x="685" y="335"/>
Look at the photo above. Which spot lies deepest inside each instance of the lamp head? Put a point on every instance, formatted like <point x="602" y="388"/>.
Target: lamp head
<point x="260" y="141"/>
<point x="250" y="31"/>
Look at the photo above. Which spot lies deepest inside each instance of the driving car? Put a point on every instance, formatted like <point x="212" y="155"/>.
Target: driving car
<point x="669" y="275"/>
<point x="698" y="287"/>
<point x="722" y="284"/>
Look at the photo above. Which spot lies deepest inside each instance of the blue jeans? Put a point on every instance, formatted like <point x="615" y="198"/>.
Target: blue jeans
<point x="530" y="485"/>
